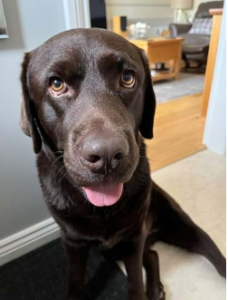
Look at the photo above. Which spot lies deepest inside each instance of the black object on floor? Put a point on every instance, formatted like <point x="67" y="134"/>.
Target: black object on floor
<point x="42" y="275"/>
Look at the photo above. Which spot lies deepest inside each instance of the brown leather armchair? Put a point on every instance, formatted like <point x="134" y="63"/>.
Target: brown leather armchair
<point x="197" y="35"/>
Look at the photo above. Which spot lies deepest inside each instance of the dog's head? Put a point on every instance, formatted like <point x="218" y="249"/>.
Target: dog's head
<point x="87" y="93"/>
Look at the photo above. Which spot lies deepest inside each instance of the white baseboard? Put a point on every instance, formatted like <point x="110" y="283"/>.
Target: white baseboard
<point x="27" y="240"/>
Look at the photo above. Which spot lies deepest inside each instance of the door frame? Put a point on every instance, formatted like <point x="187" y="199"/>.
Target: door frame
<point x="215" y="128"/>
<point x="77" y="14"/>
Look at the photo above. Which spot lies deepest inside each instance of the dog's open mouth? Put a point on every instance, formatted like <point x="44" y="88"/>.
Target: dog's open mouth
<point x="104" y="194"/>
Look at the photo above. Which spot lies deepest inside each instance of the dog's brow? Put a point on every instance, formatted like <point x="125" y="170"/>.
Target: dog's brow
<point x="126" y="58"/>
<point x="123" y="59"/>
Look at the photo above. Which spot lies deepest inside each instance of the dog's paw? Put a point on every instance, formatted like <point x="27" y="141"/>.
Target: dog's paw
<point x="159" y="294"/>
<point x="162" y="292"/>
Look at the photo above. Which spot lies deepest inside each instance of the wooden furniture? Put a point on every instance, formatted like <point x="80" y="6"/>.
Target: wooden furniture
<point x="160" y="50"/>
<point x="215" y="34"/>
<point x="178" y="131"/>
<point x="196" y="35"/>
<point x="119" y="25"/>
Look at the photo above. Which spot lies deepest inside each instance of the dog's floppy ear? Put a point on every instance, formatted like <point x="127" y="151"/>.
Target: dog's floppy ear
<point x="28" y="119"/>
<point x="147" y="122"/>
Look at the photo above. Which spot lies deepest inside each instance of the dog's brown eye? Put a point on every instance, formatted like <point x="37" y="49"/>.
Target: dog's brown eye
<point x="57" y="85"/>
<point x="127" y="79"/>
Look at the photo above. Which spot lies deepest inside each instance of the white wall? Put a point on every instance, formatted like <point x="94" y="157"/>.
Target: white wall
<point x="140" y="10"/>
<point x="153" y="10"/>
<point x="215" y="128"/>
<point x="29" y="23"/>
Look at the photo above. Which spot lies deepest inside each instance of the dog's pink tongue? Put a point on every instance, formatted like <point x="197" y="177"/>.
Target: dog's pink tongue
<point x="104" y="194"/>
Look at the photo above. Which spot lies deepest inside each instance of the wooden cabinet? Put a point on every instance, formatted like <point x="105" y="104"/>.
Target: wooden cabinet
<point x="159" y="50"/>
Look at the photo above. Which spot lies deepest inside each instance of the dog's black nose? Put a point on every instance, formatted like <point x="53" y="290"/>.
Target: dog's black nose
<point x="102" y="152"/>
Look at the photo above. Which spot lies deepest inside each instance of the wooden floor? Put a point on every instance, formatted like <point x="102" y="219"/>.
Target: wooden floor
<point x="178" y="131"/>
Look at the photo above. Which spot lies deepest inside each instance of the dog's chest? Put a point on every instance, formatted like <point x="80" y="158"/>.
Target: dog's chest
<point x="108" y="231"/>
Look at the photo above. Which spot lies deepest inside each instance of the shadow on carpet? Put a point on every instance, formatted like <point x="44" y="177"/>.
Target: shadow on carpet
<point x="42" y="275"/>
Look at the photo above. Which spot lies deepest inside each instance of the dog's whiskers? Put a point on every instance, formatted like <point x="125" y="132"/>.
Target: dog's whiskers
<point x="61" y="166"/>
<point x="145" y="157"/>
<point x="57" y="159"/>
<point x="63" y="177"/>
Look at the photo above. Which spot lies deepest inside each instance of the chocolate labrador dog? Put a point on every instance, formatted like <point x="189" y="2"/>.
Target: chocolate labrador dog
<point x="88" y="103"/>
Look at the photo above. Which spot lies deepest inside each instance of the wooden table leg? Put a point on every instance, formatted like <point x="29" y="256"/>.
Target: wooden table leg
<point x="174" y="66"/>
<point x="177" y="69"/>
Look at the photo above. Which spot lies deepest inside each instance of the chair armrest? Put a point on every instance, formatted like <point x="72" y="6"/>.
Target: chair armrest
<point x="176" y="29"/>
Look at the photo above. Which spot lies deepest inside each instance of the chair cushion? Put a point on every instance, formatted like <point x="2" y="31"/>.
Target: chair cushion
<point x="201" y="26"/>
<point x="195" y="43"/>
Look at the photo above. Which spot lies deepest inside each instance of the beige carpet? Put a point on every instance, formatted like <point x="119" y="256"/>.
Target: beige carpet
<point x="198" y="183"/>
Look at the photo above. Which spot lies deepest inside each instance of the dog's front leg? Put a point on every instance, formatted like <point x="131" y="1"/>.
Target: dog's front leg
<point x="77" y="253"/>
<point x="133" y="264"/>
